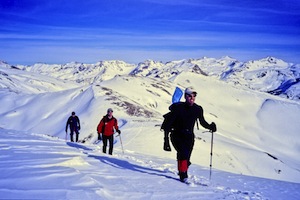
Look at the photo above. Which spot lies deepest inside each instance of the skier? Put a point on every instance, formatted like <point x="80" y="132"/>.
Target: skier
<point x="74" y="123"/>
<point x="106" y="127"/>
<point x="180" y="122"/>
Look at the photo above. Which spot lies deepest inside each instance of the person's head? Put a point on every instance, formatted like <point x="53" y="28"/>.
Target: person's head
<point x="73" y="113"/>
<point x="190" y="95"/>
<point x="110" y="112"/>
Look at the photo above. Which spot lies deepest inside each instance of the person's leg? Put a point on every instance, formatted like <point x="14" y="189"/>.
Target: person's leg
<point x="191" y="146"/>
<point x="71" y="135"/>
<point x="182" y="155"/>
<point x="104" y="139"/>
<point x="182" y="169"/>
<point x="111" y="144"/>
<point x="77" y="135"/>
<point x="183" y="144"/>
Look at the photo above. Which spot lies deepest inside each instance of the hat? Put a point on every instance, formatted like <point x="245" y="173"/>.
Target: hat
<point x="110" y="110"/>
<point x="190" y="90"/>
<point x="73" y="113"/>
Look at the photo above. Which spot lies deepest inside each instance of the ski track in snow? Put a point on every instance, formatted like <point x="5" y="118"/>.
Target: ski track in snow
<point x="80" y="170"/>
<point x="128" y="161"/>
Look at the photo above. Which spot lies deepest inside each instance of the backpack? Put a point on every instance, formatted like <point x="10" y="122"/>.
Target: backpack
<point x="175" y="99"/>
<point x="166" y="121"/>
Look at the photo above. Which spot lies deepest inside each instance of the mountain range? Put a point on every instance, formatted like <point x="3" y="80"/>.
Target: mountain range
<point x="270" y="75"/>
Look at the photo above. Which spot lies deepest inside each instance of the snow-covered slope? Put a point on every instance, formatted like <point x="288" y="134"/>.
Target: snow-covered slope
<point x="16" y="80"/>
<point x="258" y="132"/>
<point x="38" y="166"/>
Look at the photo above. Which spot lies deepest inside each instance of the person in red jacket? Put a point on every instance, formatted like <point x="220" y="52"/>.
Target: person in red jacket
<point x="107" y="125"/>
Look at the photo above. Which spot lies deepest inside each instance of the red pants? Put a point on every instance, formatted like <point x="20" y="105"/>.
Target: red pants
<point x="182" y="165"/>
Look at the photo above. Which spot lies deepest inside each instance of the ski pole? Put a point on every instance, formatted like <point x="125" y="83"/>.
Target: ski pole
<point x="66" y="136"/>
<point x="121" y="143"/>
<point x="211" y="153"/>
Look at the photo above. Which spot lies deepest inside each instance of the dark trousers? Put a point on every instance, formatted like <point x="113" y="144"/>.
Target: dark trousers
<point x="110" y="139"/>
<point x="183" y="143"/>
<point x="72" y="133"/>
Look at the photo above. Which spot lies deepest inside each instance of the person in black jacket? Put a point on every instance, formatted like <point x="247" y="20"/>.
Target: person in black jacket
<point x="180" y="123"/>
<point x="74" y="123"/>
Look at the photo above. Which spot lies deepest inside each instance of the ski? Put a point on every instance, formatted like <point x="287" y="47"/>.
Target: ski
<point x="88" y="138"/>
<point x="97" y="141"/>
<point x="177" y="95"/>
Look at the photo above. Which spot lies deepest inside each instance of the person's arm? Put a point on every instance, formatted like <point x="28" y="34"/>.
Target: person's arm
<point x="67" y="124"/>
<point x="78" y="123"/>
<point x="167" y="127"/>
<point x="212" y="127"/>
<point x="100" y="126"/>
<point x="117" y="127"/>
<point x="99" y="129"/>
<point x="170" y="118"/>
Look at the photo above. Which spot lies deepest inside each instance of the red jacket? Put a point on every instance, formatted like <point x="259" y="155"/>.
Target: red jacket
<point x="106" y="126"/>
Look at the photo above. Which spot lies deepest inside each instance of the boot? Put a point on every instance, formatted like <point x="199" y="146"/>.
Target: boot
<point x="183" y="176"/>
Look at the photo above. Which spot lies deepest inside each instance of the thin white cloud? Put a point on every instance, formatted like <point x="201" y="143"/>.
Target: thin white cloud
<point x="177" y="26"/>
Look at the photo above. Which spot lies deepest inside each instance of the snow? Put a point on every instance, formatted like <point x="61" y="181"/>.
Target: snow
<point x="37" y="166"/>
<point x="255" y="150"/>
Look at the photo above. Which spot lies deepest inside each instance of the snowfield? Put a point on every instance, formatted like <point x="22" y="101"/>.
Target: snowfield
<point x="255" y="149"/>
<point x="37" y="166"/>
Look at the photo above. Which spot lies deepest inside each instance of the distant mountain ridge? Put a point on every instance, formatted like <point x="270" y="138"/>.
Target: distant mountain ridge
<point x="270" y="75"/>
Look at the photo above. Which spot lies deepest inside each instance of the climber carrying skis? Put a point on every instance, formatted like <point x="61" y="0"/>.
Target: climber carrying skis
<point x="180" y="122"/>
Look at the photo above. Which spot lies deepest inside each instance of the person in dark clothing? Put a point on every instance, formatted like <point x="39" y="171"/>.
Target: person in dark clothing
<point x="106" y="127"/>
<point x="181" y="121"/>
<point x="74" y="123"/>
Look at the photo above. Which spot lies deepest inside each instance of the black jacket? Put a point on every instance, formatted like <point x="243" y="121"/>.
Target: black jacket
<point x="74" y="123"/>
<point x="183" y="117"/>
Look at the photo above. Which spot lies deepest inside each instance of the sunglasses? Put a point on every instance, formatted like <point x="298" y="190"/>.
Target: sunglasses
<point x="192" y="95"/>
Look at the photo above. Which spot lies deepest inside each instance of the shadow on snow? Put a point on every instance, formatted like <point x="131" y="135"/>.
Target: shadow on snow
<point x="123" y="164"/>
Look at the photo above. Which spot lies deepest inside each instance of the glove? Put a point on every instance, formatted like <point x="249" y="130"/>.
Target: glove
<point x="78" y="127"/>
<point x="167" y="144"/>
<point x="99" y="136"/>
<point x="213" y="127"/>
<point x="118" y="131"/>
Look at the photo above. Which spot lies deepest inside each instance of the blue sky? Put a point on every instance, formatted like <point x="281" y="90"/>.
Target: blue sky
<point x="88" y="31"/>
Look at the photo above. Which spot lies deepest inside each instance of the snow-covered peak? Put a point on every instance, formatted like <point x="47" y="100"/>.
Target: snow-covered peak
<point x="268" y="62"/>
<point x="271" y="75"/>
<point x="81" y="72"/>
